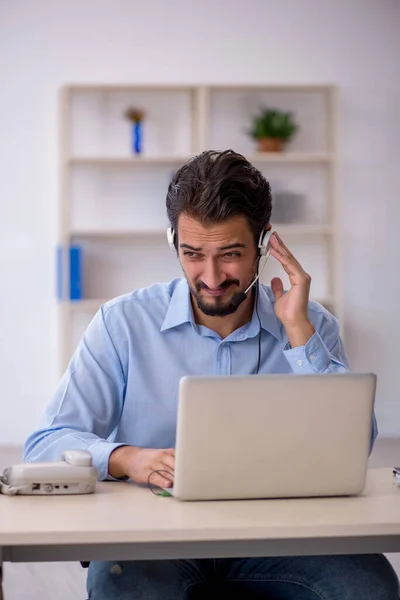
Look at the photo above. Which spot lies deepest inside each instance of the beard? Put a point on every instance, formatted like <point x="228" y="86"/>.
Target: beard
<point x="218" y="307"/>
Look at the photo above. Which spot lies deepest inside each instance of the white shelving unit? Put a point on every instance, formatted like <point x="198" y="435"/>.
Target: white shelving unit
<point x="112" y="203"/>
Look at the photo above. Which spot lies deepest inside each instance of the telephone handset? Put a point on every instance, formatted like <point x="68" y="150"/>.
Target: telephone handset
<point x="73" y="474"/>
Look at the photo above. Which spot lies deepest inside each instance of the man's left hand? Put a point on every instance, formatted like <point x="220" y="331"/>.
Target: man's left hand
<point x="291" y="307"/>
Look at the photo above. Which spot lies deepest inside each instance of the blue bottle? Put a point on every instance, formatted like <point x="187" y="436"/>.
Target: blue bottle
<point x="137" y="137"/>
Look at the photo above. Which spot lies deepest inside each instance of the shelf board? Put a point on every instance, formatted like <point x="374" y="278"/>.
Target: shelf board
<point x="118" y="233"/>
<point x="264" y="157"/>
<point x="291" y="157"/>
<point x="85" y="305"/>
<point x="127" y="161"/>
<point x="283" y="229"/>
<point x="271" y="87"/>
<point x="324" y="301"/>
<point x="313" y="230"/>
<point x="123" y="87"/>
<point x="190" y="87"/>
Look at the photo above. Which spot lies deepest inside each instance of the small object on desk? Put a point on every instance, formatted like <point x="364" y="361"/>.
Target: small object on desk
<point x="396" y="473"/>
<point x="164" y="493"/>
<point x="73" y="474"/>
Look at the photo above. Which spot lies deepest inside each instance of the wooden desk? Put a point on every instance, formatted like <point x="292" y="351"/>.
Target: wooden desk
<point x="125" y="521"/>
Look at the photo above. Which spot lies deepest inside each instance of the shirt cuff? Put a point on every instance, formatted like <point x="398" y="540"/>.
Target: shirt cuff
<point x="100" y="452"/>
<point x="314" y="357"/>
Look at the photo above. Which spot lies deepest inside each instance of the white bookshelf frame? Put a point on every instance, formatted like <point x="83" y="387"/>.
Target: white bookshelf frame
<point x="200" y="106"/>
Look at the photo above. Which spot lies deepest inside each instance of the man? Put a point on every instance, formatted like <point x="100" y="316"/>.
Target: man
<point x="118" y="398"/>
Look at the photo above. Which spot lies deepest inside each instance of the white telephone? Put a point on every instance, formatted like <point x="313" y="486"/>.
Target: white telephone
<point x="73" y="474"/>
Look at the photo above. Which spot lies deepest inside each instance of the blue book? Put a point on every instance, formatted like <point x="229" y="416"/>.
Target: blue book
<point x="75" y="272"/>
<point x="74" y="282"/>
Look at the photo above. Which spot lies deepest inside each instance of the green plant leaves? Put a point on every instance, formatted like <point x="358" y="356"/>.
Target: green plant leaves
<point x="273" y="123"/>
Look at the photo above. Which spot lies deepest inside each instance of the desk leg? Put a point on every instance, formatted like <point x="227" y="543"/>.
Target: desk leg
<point x="1" y="574"/>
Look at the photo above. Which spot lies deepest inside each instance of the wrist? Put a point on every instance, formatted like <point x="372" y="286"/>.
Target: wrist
<point x="299" y="333"/>
<point x="118" y="461"/>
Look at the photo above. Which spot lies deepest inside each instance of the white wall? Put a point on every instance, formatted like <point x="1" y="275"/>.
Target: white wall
<point x="47" y="43"/>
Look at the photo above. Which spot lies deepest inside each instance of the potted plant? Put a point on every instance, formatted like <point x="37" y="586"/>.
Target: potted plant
<point x="272" y="128"/>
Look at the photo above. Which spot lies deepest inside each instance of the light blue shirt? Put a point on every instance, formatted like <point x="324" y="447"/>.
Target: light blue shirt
<point x="121" y="386"/>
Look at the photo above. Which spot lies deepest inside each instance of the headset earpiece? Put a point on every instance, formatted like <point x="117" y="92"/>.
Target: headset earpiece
<point x="171" y="238"/>
<point x="263" y="242"/>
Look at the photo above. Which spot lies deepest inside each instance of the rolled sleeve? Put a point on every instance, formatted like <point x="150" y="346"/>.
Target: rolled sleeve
<point x="100" y="452"/>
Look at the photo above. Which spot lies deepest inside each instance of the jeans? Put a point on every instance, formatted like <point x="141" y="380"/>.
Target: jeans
<point x="352" y="577"/>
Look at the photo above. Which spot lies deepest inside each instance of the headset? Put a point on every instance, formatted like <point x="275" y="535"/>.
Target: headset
<point x="264" y="249"/>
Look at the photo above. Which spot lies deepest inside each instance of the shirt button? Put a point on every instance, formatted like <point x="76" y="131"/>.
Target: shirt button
<point x="299" y="362"/>
<point x="313" y="357"/>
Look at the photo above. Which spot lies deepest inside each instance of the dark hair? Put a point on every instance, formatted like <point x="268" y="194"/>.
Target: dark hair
<point x="216" y="186"/>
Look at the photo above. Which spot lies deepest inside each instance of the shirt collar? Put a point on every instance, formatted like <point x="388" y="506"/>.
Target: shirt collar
<point x="268" y="319"/>
<point x="180" y="310"/>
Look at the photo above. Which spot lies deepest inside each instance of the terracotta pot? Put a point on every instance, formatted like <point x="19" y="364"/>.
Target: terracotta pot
<point x="270" y="145"/>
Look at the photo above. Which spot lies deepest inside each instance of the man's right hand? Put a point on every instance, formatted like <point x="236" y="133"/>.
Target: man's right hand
<point x="138" y="463"/>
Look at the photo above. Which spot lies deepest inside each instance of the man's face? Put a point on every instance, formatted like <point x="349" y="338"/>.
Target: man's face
<point x="218" y="260"/>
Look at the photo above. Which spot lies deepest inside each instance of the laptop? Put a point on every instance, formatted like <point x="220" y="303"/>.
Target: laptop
<point x="273" y="436"/>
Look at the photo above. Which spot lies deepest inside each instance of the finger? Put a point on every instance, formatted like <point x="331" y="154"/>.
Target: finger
<point x="280" y="246"/>
<point x="282" y="250"/>
<point x="159" y="480"/>
<point x="168" y="459"/>
<point x="170" y="451"/>
<point x="277" y="288"/>
<point x="162" y="472"/>
<point x="289" y="261"/>
<point x="166" y="475"/>
<point x="288" y="265"/>
<point x="169" y="464"/>
<point x="160" y="465"/>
